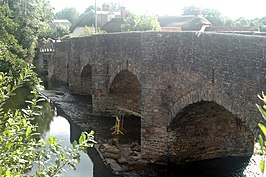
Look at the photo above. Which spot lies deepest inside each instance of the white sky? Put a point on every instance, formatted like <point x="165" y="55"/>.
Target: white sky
<point x="230" y="8"/>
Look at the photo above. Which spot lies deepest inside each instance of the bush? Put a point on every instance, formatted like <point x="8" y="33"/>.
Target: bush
<point x="88" y="31"/>
<point x="58" y="33"/>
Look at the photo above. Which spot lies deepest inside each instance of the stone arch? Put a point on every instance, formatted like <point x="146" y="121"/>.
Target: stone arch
<point x="125" y="65"/>
<point x="125" y="90"/>
<point x="86" y="79"/>
<point x="211" y="94"/>
<point x="202" y="129"/>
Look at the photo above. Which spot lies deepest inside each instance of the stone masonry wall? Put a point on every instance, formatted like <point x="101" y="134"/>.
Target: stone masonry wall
<point x="174" y="70"/>
<point x="206" y="130"/>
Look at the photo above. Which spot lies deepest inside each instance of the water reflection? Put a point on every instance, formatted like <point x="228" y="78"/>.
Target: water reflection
<point x="45" y="118"/>
<point x="60" y="129"/>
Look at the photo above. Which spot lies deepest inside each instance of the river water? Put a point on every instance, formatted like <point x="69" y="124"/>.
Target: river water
<point x="91" y="164"/>
<point x="77" y="110"/>
<point x="60" y="129"/>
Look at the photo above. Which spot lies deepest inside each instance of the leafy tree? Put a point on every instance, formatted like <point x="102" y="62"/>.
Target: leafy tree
<point x="29" y="18"/>
<point x="228" y="21"/>
<point x="242" y="22"/>
<point x="191" y="10"/>
<point x="214" y="16"/>
<point x="262" y="140"/>
<point x="140" y="23"/>
<point x="91" y="8"/>
<point x="115" y="6"/>
<point x="71" y="14"/>
<point x="8" y="40"/>
<point x="58" y="33"/>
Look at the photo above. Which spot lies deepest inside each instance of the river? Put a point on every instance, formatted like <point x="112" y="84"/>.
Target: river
<point x="60" y="129"/>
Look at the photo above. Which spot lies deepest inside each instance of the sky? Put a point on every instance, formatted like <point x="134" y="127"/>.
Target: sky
<point x="230" y="8"/>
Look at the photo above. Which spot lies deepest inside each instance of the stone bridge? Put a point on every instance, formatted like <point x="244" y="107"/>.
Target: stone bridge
<point x="196" y="92"/>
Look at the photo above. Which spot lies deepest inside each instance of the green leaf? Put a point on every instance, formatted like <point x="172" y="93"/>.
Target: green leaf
<point x="28" y="101"/>
<point x="57" y="162"/>
<point x="72" y="166"/>
<point x="8" y="133"/>
<point x="82" y="138"/>
<point x="9" y="145"/>
<point x="8" y="173"/>
<point x="24" y="122"/>
<point x="262" y="111"/>
<point x="263" y="128"/>
<point x="28" y="131"/>
<point x="51" y="140"/>
<point x="262" y="165"/>
<point x="261" y="142"/>
<point x="18" y="127"/>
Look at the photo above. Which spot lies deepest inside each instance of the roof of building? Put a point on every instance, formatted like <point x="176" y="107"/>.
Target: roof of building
<point x="85" y="19"/>
<point x="186" y="22"/>
<point x="113" y="26"/>
<point x="88" y="19"/>
<point x="58" y="22"/>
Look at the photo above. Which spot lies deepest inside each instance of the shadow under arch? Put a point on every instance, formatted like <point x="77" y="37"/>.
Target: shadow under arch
<point x="86" y="79"/>
<point x="206" y="130"/>
<point x="125" y="65"/>
<point x="125" y="91"/>
<point x="212" y="95"/>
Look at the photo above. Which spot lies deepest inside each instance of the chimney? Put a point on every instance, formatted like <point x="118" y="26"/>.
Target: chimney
<point x="105" y="7"/>
<point x="123" y="12"/>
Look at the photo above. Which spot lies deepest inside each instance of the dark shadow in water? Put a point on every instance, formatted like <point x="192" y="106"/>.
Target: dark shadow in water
<point x="220" y="167"/>
<point x="99" y="168"/>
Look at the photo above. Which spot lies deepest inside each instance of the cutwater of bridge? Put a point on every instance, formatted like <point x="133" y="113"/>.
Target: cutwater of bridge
<point x="195" y="91"/>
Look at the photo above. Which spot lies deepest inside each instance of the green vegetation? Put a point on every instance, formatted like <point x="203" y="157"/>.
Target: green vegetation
<point x="88" y="31"/>
<point x="21" y="23"/>
<point x="262" y="140"/>
<point x="71" y="14"/>
<point x="217" y="19"/>
<point x="91" y="8"/>
<point x="59" y="32"/>
<point x="20" y="149"/>
<point x="20" y="144"/>
<point x="140" y="23"/>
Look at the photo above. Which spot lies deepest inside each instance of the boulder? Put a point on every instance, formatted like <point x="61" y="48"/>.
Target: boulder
<point x="109" y="161"/>
<point x="122" y="160"/>
<point x="116" y="167"/>
<point x="110" y="149"/>
<point x="110" y="155"/>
